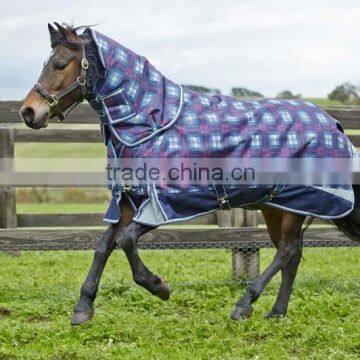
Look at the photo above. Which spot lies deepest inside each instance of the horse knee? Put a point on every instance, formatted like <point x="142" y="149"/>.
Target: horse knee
<point x="130" y="235"/>
<point x="289" y="253"/>
<point x="106" y="244"/>
<point x="294" y="260"/>
<point x="103" y="250"/>
<point x="127" y="240"/>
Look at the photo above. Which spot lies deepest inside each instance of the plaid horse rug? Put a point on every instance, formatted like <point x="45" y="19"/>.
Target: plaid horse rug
<point x="145" y="115"/>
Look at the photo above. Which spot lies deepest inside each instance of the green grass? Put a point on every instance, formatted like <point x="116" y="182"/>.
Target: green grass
<point x="324" y="102"/>
<point x="41" y="288"/>
<point x="69" y="208"/>
<point x="59" y="150"/>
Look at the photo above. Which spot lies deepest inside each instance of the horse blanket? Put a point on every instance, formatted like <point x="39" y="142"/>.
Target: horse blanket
<point x="145" y="115"/>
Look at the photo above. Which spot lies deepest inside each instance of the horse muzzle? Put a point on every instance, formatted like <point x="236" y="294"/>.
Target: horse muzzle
<point x="35" y="118"/>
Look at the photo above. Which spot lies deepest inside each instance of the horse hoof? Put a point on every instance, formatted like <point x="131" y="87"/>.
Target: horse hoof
<point x="164" y="291"/>
<point x="241" y="312"/>
<point x="273" y="314"/>
<point x="82" y="317"/>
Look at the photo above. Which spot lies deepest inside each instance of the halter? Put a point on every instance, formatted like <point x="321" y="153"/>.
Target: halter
<point x="53" y="99"/>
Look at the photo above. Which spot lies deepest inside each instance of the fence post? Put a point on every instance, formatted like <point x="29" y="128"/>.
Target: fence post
<point x="8" y="218"/>
<point x="225" y="218"/>
<point x="245" y="262"/>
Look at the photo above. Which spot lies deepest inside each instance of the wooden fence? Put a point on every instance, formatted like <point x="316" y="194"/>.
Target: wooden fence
<point x="237" y="229"/>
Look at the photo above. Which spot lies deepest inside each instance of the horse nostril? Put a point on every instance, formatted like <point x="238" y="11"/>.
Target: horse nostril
<point x="28" y="115"/>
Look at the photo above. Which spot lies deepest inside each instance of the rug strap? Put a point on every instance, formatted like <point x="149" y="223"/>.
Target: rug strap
<point x="222" y="197"/>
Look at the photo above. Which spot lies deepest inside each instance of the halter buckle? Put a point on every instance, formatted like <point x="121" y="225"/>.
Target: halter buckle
<point x="36" y="86"/>
<point x="84" y="64"/>
<point x="54" y="101"/>
<point x="81" y="82"/>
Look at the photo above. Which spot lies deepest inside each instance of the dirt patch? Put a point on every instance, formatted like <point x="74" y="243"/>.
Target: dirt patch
<point x="36" y="318"/>
<point x="4" y="311"/>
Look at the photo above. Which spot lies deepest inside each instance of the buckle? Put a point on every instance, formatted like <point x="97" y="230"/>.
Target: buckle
<point x="224" y="203"/>
<point x="54" y="101"/>
<point x="36" y="86"/>
<point x="272" y="194"/>
<point x="81" y="83"/>
<point x="84" y="64"/>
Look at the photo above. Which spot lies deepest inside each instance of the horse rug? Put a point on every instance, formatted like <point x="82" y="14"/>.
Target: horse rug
<point x="145" y="115"/>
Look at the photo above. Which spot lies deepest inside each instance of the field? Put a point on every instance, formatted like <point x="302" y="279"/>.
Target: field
<point x="40" y="290"/>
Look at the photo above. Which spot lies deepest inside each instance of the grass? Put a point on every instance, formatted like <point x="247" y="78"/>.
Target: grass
<point x="59" y="150"/>
<point x="325" y="102"/>
<point x="69" y="208"/>
<point x="41" y="288"/>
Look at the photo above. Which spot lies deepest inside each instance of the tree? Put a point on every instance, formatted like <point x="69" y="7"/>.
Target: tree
<point x="345" y="93"/>
<point x="202" y="89"/>
<point x="287" y="94"/>
<point x="243" y="93"/>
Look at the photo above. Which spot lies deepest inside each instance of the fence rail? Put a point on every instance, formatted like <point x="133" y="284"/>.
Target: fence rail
<point x="165" y="238"/>
<point x="237" y="229"/>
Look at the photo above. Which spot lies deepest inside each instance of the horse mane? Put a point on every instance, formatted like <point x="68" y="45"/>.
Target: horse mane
<point x="57" y="37"/>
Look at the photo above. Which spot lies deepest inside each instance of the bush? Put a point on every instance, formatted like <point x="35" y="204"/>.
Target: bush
<point x="345" y="93"/>
<point x="287" y="94"/>
<point x="245" y="93"/>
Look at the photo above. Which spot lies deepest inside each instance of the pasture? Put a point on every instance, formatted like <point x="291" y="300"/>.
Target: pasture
<point x="40" y="289"/>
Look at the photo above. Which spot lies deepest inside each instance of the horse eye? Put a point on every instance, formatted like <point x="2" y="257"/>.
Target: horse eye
<point x="60" y="66"/>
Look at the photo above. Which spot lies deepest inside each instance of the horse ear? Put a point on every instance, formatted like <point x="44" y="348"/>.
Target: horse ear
<point x="61" y="29"/>
<point x="52" y="30"/>
<point x="66" y="33"/>
<point x="54" y="34"/>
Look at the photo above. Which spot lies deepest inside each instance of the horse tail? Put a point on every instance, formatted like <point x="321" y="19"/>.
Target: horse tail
<point x="350" y="224"/>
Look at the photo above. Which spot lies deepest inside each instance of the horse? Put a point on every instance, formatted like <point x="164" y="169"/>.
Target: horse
<point x="74" y="72"/>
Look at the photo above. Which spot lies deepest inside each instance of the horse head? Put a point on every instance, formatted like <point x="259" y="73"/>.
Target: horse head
<point x="62" y="82"/>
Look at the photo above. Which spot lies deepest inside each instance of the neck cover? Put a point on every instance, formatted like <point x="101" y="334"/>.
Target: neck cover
<point x="145" y="115"/>
<point x="133" y="96"/>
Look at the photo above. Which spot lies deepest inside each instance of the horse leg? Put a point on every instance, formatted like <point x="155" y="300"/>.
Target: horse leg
<point x="288" y="274"/>
<point x="84" y="310"/>
<point x="273" y="219"/>
<point x="286" y="249"/>
<point x="141" y="274"/>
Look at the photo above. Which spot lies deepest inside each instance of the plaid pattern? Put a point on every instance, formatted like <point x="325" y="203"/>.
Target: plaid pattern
<point x="212" y="118"/>
<point x="115" y="78"/>
<point x="122" y="56"/>
<point x="216" y="142"/>
<point x="174" y="143"/>
<point x="147" y="99"/>
<point x="132" y="90"/>
<point x="195" y="142"/>
<point x="274" y="139"/>
<point x="150" y="116"/>
<point x="218" y="125"/>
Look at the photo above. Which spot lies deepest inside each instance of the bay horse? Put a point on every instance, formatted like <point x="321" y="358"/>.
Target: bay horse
<point x="70" y="75"/>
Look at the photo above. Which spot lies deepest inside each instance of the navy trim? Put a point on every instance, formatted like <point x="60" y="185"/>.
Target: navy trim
<point x="309" y="213"/>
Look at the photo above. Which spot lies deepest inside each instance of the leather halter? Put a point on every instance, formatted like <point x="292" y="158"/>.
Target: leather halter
<point x="53" y="99"/>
